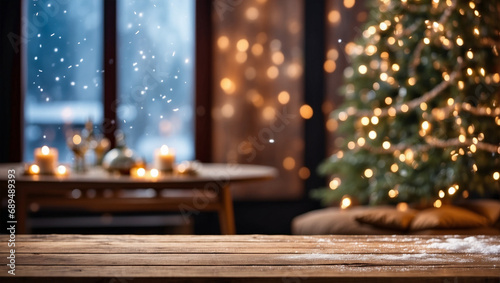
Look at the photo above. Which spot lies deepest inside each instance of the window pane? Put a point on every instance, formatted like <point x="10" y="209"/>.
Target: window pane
<point x="63" y="71"/>
<point x="156" y="75"/>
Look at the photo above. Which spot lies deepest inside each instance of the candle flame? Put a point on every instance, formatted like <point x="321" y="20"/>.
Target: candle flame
<point x="45" y="150"/>
<point x="154" y="173"/>
<point x="61" y="169"/>
<point x="141" y="172"/>
<point x="34" y="169"/>
<point x="164" y="150"/>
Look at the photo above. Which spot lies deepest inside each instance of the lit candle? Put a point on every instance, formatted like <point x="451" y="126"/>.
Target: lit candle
<point x="34" y="169"/>
<point x="62" y="170"/>
<point x="164" y="159"/>
<point x="46" y="159"/>
<point x="137" y="172"/>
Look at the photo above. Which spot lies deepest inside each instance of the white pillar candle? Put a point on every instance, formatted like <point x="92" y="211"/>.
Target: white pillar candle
<point x="46" y="159"/>
<point x="164" y="158"/>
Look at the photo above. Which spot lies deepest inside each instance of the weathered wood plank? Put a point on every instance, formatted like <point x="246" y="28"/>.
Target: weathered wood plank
<point x="222" y="248"/>
<point x="449" y="260"/>
<point x="241" y="238"/>
<point x="331" y="245"/>
<point x="319" y="271"/>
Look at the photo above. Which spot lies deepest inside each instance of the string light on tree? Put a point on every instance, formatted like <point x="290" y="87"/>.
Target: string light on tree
<point x="421" y="105"/>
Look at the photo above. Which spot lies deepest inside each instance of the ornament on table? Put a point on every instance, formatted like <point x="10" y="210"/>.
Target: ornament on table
<point x="121" y="159"/>
<point x="79" y="146"/>
<point x="188" y="167"/>
<point x="98" y="143"/>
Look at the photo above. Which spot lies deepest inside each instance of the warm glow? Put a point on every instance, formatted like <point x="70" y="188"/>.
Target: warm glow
<point x="452" y="190"/>
<point x="284" y="97"/>
<point x="61" y="170"/>
<point x="425" y="125"/>
<point x="268" y="113"/>
<point x="164" y="150"/>
<point x="242" y="45"/>
<point x="77" y="139"/>
<point x="141" y="172"/>
<point x="361" y="141"/>
<point x="393" y="193"/>
<point x="374" y="120"/>
<point x="223" y="42"/>
<point x="412" y="81"/>
<point x="46" y="150"/>
<point x="496" y="176"/>
<point x="252" y="13"/>
<point x="257" y="49"/>
<point x="278" y="58"/>
<point x="365" y="121"/>
<point x="334" y="16"/>
<point x="386" y="145"/>
<point x="362" y="69"/>
<point x="441" y="194"/>
<point x="289" y="163"/>
<point x="368" y="173"/>
<point x="402" y="206"/>
<point x="460" y="41"/>
<point x="331" y="125"/>
<point x="227" y="110"/>
<point x="154" y="173"/>
<point x="34" y="169"/>
<point x="394" y="168"/>
<point x="346" y="202"/>
<point x="272" y="72"/>
<point x="335" y="183"/>
<point x="349" y="3"/>
<point x="438" y="203"/>
<point x="227" y="86"/>
<point x="306" y="111"/>
<point x="304" y="173"/>
<point x="372" y="135"/>
<point x="329" y="66"/>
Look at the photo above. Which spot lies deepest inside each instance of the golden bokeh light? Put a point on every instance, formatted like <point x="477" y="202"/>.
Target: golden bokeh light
<point x="334" y="17"/>
<point x="346" y="202"/>
<point x="227" y="110"/>
<point x="278" y="58"/>
<point x="257" y="49"/>
<point x="284" y="97"/>
<point x="252" y="13"/>
<point x="289" y="163"/>
<point x="306" y="111"/>
<point x="304" y="173"/>
<point x="223" y="42"/>
<point x="242" y="45"/>
<point x="329" y="66"/>
<point x="349" y="3"/>
<point x="272" y="72"/>
<point x="268" y="113"/>
<point x="227" y="86"/>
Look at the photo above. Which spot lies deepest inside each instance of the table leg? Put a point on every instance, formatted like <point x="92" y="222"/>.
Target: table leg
<point x="226" y="212"/>
<point x="22" y="211"/>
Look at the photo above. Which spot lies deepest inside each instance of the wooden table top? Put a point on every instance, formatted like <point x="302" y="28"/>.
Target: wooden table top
<point x="222" y="173"/>
<point x="134" y="258"/>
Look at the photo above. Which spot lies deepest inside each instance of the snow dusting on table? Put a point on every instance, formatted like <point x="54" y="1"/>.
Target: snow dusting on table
<point x="467" y="245"/>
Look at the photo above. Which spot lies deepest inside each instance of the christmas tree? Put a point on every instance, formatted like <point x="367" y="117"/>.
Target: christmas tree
<point x="420" y="120"/>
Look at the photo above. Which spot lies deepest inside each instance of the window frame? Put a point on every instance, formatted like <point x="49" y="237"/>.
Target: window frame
<point x="203" y="82"/>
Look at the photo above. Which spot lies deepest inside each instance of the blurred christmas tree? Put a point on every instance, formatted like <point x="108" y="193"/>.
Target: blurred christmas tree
<point x="421" y="116"/>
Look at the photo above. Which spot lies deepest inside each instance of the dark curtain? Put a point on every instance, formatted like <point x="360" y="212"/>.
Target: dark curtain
<point x="10" y="82"/>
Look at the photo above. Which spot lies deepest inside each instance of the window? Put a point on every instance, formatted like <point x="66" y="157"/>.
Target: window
<point x="155" y="65"/>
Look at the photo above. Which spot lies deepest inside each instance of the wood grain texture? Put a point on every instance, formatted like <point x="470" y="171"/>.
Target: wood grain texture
<point x="248" y="258"/>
